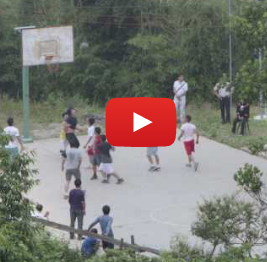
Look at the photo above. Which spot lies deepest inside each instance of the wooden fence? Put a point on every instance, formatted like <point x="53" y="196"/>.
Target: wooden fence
<point x="116" y="242"/>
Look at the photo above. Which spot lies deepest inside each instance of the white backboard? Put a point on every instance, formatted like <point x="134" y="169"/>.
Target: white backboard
<point x="53" y="42"/>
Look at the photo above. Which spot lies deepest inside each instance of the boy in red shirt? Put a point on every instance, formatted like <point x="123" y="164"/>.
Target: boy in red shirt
<point x="94" y="153"/>
<point x="188" y="134"/>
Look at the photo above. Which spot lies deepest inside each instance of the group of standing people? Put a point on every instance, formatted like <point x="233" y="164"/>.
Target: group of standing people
<point x="99" y="154"/>
<point x="78" y="211"/>
<point x="97" y="148"/>
<point x="223" y="91"/>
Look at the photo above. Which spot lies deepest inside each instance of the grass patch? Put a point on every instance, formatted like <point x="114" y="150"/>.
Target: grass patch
<point x="46" y="119"/>
<point x="208" y="121"/>
<point x="46" y="116"/>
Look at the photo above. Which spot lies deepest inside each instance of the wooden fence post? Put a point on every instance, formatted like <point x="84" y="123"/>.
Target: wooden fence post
<point x="121" y="243"/>
<point x="132" y="239"/>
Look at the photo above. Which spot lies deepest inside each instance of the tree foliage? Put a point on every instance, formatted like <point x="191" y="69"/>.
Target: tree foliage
<point x="135" y="48"/>
<point x="251" y="28"/>
<point x="231" y="222"/>
<point x="20" y="238"/>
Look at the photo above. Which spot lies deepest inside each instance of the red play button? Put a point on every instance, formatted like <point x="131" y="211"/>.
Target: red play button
<point x="141" y="122"/>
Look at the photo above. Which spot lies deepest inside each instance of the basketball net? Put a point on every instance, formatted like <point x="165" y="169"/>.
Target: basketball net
<point x="51" y="67"/>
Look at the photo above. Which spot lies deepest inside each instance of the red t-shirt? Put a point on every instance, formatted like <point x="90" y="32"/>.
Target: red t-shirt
<point x="93" y="149"/>
<point x="97" y="143"/>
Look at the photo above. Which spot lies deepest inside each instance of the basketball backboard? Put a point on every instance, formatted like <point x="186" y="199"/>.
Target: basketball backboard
<point x="53" y="43"/>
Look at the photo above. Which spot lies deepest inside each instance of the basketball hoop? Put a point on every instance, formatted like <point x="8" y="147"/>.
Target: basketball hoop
<point x="51" y="67"/>
<point x="48" y="46"/>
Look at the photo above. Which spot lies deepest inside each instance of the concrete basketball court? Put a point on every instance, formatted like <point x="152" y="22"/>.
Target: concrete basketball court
<point x="154" y="207"/>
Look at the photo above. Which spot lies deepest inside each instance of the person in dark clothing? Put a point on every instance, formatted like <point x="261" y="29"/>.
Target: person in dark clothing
<point x="71" y="125"/>
<point x="105" y="222"/>
<point x="242" y="115"/>
<point x="90" y="245"/>
<point x="223" y="91"/>
<point x="77" y="207"/>
<point x="106" y="161"/>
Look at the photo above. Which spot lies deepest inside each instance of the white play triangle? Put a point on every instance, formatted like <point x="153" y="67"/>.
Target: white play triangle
<point x="139" y="122"/>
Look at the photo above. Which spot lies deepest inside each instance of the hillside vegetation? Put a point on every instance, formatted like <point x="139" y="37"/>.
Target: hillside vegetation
<point x="137" y="47"/>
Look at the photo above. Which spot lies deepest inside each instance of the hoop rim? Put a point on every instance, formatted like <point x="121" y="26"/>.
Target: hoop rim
<point x="51" y="67"/>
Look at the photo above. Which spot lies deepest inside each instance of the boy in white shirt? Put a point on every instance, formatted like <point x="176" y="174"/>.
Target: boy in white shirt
<point x="90" y="135"/>
<point x="15" y="139"/>
<point x="90" y="132"/>
<point x="188" y="132"/>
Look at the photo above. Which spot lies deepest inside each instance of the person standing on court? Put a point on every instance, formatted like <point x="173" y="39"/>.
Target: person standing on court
<point x="71" y="125"/>
<point x="71" y="162"/>
<point x="180" y="88"/>
<point x="77" y="207"/>
<point x="105" y="222"/>
<point x="223" y="91"/>
<point x="15" y="138"/>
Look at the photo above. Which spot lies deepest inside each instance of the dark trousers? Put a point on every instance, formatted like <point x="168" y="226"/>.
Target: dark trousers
<point x="73" y="138"/>
<point x="243" y="124"/>
<point x="225" y="109"/>
<point x="76" y="214"/>
<point x="106" y="245"/>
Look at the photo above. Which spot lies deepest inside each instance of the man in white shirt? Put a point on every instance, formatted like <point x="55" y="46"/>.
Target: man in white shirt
<point x="223" y="91"/>
<point x="15" y="139"/>
<point x="188" y="133"/>
<point x="180" y="88"/>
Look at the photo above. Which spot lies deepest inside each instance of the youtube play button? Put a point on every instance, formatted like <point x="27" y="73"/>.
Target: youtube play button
<point x="141" y="122"/>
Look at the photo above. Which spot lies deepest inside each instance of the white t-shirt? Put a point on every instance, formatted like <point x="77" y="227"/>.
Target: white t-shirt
<point x="180" y="88"/>
<point x="38" y="214"/>
<point x="74" y="157"/>
<point x="14" y="133"/>
<point x="189" y="131"/>
<point x="91" y="133"/>
<point x="223" y="90"/>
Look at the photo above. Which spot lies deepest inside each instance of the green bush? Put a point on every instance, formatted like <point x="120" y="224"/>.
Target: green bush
<point x="257" y="146"/>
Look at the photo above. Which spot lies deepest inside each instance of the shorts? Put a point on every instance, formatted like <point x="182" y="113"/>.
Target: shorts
<point x="106" y="168"/>
<point x="152" y="151"/>
<point x="73" y="172"/>
<point x="106" y="245"/>
<point x="189" y="147"/>
<point x="94" y="160"/>
<point x="13" y="151"/>
<point x="73" y="138"/>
